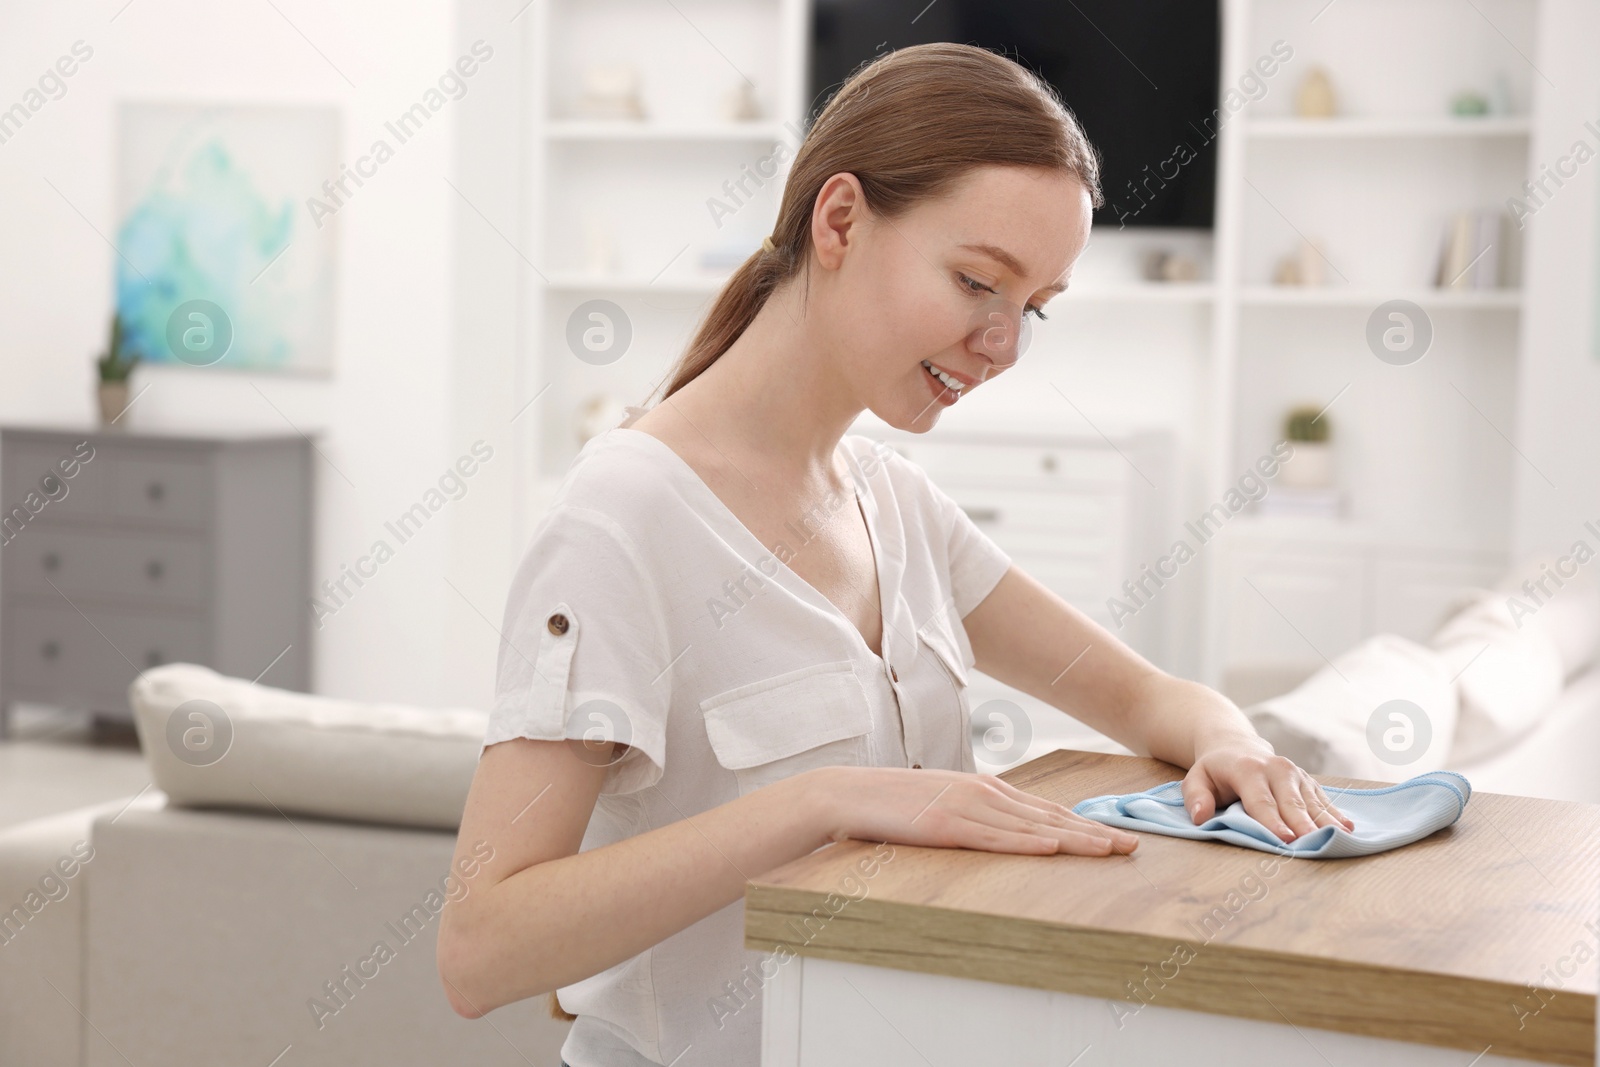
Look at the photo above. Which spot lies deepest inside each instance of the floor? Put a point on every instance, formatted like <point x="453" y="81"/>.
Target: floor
<point x="55" y="761"/>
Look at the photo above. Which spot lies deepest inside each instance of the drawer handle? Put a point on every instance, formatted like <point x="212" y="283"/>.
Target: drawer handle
<point x="982" y="514"/>
<point x="50" y="650"/>
<point x="154" y="658"/>
<point x="155" y="491"/>
<point x="154" y="570"/>
<point x="52" y="562"/>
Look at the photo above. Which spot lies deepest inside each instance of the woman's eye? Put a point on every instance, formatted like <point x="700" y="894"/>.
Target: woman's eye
<point x="1029" y="310"/>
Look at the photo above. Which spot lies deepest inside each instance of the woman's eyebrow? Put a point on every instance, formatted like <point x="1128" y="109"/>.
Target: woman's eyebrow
<point x="1011" y="263"/>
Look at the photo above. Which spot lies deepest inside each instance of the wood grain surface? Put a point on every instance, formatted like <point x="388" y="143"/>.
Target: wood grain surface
<point x="1482" y="935"/>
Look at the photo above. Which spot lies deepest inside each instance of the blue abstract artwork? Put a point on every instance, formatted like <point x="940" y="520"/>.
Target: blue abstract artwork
<point x="216" y="267"/>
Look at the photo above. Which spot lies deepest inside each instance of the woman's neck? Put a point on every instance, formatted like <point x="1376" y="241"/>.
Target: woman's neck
<point x="776" y="393"/>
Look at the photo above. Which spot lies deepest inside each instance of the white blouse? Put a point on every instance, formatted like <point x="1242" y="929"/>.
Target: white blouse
<point x="645" y="612"/>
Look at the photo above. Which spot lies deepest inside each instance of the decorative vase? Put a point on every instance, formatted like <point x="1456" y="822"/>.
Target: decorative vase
<point x="113" y="398"/>
<point x="1315" y="98"/>
<point x="1310" y="467"/>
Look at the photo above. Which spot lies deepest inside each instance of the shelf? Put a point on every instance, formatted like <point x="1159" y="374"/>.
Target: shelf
<point x="648" y="130"/>
<point x="570" y="281"/>
<point x="1486" y="126"/>
<point x="1298" y="530"/>
<point x="1132" y="292"/>
<point x="1209" y="359"/>
<point x="1363" y="297"/>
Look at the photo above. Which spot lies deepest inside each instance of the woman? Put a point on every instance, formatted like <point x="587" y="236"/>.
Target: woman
<point x="761" y="668"/>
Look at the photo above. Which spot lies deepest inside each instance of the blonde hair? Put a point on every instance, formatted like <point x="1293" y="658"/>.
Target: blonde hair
<point x="908" y="124"/>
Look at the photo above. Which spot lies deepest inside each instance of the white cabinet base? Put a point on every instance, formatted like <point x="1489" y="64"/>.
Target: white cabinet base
<point x="824" y="1013"/>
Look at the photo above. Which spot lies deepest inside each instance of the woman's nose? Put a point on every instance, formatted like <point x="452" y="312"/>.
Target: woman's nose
<point x="998" y="333"/>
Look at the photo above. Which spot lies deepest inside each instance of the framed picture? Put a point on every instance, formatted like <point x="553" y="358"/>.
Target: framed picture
<point x="219" y="264"/>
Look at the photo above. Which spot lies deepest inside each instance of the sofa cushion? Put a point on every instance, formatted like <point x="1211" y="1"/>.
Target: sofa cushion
<point x="215" y="741"/>
<point x="1338" y="722"/>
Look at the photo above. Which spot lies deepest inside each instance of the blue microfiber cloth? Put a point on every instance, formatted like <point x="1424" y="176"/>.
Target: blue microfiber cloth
<point x="1385" y="818"/>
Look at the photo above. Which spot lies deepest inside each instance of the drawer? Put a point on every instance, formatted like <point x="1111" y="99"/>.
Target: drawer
<point x="1048" y="521"/>
<point x="1025" y="466"/>
<point x="165" y="569"/>
<point x="1047" y="542"/>
<point x="34" y="485"/>
<point x="54" y="653"/>
<point x="164" y="489"/>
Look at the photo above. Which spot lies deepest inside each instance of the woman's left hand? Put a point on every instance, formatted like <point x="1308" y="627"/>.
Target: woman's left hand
<point x="1274" y="790"/>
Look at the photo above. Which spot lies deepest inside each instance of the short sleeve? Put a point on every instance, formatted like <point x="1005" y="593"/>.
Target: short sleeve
<point x="976" y="563"/>
<point x="583" y="649"/>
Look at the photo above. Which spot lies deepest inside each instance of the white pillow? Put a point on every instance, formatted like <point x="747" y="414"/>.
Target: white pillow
<point x="1509" y="671"/>
<point x="215" y="741"/>
<point x="1330" y="723"/>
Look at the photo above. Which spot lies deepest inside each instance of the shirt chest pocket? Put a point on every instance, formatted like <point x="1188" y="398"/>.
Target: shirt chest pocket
<point x="940" y="693"/>
<point x="936" y="637"/>
<point x="769" y="730"/>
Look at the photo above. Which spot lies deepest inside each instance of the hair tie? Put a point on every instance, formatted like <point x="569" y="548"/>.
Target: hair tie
<point x="766" y="244"/>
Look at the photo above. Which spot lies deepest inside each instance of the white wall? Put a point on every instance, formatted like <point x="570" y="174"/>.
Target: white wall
<point x="1557" y="479"/>
<point x="398" y="407"/>
<point x="427" y="327"/>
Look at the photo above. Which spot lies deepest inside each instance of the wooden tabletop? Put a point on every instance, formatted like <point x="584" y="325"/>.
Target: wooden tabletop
<point x="1482" y="934"/>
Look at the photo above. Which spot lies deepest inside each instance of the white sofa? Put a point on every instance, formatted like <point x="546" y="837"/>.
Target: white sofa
<point x="1559" y="759"/>
<point x="194" y="934"/>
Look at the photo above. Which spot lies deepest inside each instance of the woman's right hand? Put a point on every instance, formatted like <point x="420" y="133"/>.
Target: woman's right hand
<point x="954" y="809"/>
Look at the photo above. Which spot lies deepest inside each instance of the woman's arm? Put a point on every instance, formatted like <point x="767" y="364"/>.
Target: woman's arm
<point x="1028" y="637"/>
<point x="539" y="914"/>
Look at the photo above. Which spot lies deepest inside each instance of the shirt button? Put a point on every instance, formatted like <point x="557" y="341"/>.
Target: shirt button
<point x="893" y="676"/>
<point x="557" y="624"/>
<point x="916" y="766"/>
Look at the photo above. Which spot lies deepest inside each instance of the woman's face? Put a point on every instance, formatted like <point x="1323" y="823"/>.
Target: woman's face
<point x="944" y="287"/>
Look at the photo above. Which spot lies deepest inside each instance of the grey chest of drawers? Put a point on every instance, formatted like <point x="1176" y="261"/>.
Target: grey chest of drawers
<point x="124" y="550"/>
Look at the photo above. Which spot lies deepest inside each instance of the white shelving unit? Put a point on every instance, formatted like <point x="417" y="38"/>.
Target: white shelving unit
<point x="1423" y="450"/>
<point x="1381" y="126"/>
<point x="1215" y="364"/>
<point x="641" y="189"/>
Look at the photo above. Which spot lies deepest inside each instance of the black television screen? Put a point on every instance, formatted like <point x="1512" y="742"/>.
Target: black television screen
<point x="1141" y="76"/>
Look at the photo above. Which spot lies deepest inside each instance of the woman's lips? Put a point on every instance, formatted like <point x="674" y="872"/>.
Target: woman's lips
<point x="943" y="393"/>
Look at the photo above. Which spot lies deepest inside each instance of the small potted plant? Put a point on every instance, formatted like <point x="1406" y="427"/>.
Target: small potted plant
<point x="1311" y="465"/>
<point x="115" y="366"/>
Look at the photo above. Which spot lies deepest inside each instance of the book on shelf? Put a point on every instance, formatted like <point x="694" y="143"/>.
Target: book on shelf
<point x="1470" y="251"/>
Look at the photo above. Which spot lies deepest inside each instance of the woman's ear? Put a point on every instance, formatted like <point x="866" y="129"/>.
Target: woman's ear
<point x="838" y="218"/>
